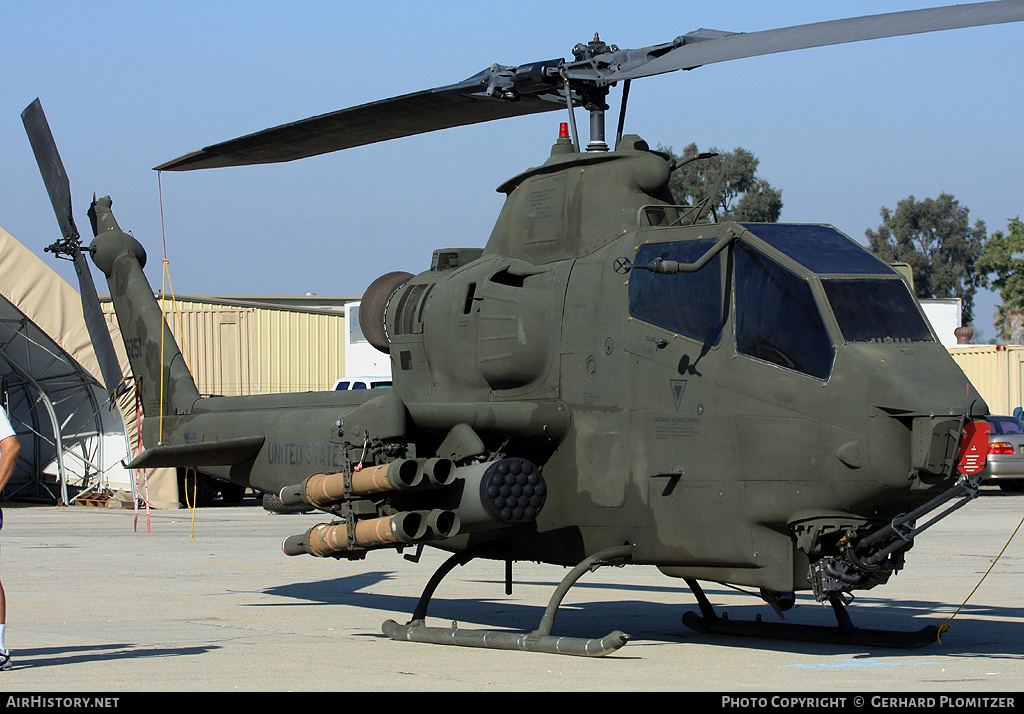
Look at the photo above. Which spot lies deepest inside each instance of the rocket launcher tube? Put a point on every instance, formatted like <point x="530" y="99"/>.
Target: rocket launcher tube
<point x="439" y="472"/>
<point x="501" y="493"/>
<point x="400" y="475"/>
<point x="325" y="539"/>
<point x="443" y="524"/>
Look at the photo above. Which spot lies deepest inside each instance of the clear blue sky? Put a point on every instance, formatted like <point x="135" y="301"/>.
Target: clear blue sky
<point x="842" y="131"/>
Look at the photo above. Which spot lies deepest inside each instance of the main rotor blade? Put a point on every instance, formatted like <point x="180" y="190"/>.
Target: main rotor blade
<point x="409" y="114"/>
<point x="536" y="87"/>
<point x="819" y="34"/>
<point x="59" y="188"/>
<point x="51" y="167"/>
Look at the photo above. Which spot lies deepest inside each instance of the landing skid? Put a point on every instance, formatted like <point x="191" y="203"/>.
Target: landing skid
<point x="844" y="633"/>
<point x="540" y="640"/>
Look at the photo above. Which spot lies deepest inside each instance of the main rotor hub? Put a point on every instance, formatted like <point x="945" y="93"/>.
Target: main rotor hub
<point x="592" y="49"/>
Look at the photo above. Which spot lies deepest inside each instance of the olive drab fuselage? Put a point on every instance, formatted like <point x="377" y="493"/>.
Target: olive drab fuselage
<point x="731" y="422"/>
<point x="611" y="379"/>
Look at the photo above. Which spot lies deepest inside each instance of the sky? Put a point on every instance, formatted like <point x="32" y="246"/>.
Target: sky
<point x="126" y="86"/>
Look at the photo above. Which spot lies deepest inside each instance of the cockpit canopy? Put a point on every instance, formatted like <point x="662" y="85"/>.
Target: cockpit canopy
<point x="791" y="287"/>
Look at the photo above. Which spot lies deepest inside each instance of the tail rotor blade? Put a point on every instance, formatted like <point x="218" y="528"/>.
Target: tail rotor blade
<point x="59" y="188"/>
<point x="55" y="178"/>
<point x="99" y="332"/>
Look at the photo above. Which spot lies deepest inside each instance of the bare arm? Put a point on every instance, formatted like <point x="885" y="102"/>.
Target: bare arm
<point x="9" y="450"/>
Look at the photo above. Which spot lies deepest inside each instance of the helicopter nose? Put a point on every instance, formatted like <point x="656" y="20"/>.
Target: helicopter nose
<point x="935" y="406"/>
<point x="917" y="404"/>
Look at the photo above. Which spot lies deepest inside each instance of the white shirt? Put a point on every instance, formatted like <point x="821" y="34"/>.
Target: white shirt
<point x="5" y="426"/>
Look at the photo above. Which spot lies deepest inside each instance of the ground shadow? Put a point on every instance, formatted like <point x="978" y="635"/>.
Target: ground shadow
<point x="58" y="656"/>
<point x="976" y="630"/>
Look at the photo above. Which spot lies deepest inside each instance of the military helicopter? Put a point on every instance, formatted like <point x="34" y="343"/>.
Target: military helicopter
<point x="612" y="379"/>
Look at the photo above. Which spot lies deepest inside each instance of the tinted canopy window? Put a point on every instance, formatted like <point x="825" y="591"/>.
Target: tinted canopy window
<point x="777" y="319"/>
<point x="820" y="249"/>
<point x="876" y="310"/>
<point x="688" y="304"/>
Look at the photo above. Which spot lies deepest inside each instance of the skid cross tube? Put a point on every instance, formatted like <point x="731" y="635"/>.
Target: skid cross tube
<point x="540" y="640"/>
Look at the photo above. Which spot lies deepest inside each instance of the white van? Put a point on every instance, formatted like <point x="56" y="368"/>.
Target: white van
<point x="362" y="383"/>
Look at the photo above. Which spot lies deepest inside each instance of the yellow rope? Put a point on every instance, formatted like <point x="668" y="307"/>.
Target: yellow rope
<point x="181" y="326"/>
<point x="163" y="293"/>
<point x="181" y="331"/>
<point x="945" y="626"/>
<point x="191" y="505"/>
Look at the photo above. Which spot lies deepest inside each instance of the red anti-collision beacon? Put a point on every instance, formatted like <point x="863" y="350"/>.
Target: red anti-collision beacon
<point x="564" y="143"/>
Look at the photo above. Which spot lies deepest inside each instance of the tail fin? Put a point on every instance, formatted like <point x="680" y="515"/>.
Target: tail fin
<point x="166" y="384"/>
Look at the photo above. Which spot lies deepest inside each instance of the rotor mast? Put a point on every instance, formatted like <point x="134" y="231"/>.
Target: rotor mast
<point x="593" y="94"/>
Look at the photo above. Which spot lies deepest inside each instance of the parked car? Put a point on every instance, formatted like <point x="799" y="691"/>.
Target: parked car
<point x="1005" y="463"/>
<point x="362" y="383"/>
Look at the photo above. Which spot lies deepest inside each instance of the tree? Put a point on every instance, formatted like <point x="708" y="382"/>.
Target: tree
<point x="1003" y="257"/>
<point x="742" y="196"/>
<point x="934" y="237"/>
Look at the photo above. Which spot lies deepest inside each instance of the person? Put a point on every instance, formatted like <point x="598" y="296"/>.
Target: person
<point x="9" y="448"/>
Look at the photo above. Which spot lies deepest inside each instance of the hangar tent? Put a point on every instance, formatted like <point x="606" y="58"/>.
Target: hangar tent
<point x="73" y="440"/>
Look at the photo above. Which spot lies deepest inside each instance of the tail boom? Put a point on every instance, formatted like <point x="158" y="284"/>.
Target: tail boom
<point x="167" y="386"/>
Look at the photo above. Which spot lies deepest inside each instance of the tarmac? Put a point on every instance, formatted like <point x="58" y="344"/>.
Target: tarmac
<point x="112" y="601"/>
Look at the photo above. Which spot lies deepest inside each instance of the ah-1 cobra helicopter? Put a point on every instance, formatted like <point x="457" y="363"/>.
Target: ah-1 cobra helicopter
<point x="612" y="379"/>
